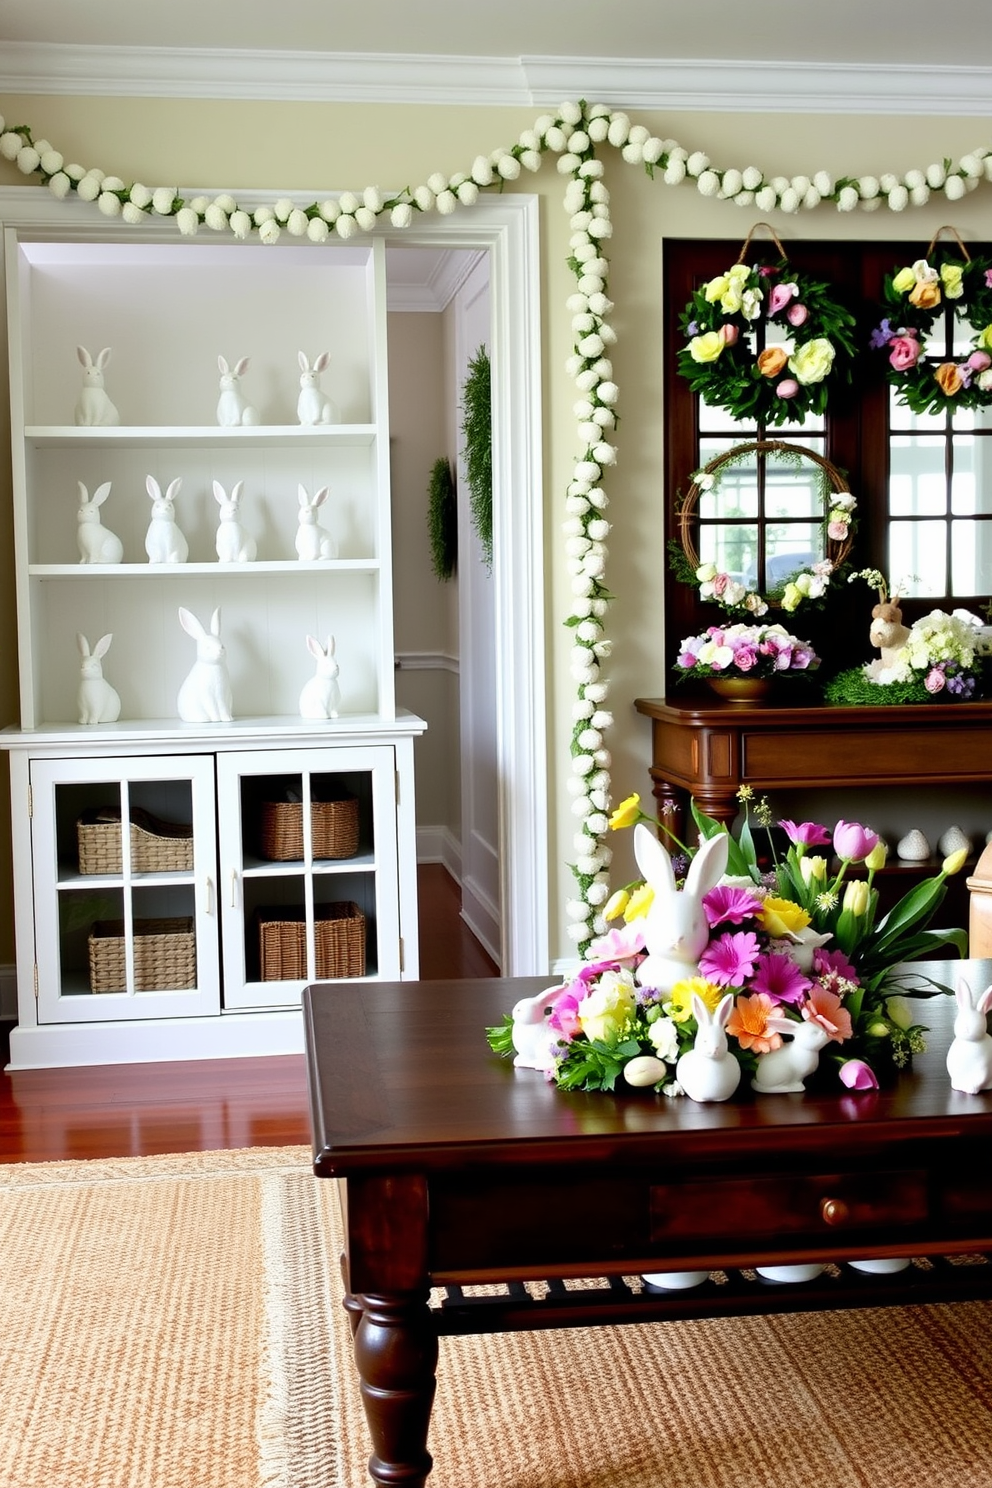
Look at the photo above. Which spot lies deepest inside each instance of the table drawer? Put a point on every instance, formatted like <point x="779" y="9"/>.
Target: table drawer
<point x="787" y="1205"/>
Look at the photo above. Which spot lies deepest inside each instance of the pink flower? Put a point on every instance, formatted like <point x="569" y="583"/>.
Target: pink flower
<point x="728" y="961"/>
<point x="797" y="315"/>
<point x="728" y="333"/>
<point x="979" y="360"/>
<point x="727" y="906"/>
<point x="934" y="680"/>
<point x="564" y="1015"/>
<point x="837" y="531"/>
<point x="830" y="964"/>
<point x="780" y="979"/>
<point x="720" y="583"/>
<point x="852" y="841"/>
<point x="904" y="351"/>
<point x="824" y="1007"/>
<point x="618" y="947"/>
<point x="857" y="1075"/>
<point x="988" y="278"/>
<point x="780" y="297"/>
<point x="745" y="657"/>
<point x="788" y="388"/>
<point x="805" y="834"/>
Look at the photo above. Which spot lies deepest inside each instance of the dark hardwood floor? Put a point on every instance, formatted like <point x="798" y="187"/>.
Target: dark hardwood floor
<point x="201" y="1105"/>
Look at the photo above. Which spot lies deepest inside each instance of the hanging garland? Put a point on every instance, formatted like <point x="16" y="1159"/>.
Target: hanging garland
<point x="572" y="133"/>
<point x="914" y="301"/>
<point x="766" y="343"/>
<point x="442" y="519"/>
<point x="477" y="431"/>
<point x="804" y="586"/>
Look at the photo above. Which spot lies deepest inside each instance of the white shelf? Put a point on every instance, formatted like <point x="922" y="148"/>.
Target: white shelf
<point x="201" y="570"/>
<point x="134" y="436"/>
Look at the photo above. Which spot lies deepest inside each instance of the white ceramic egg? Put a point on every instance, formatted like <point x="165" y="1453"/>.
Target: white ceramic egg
<point x="644" y="1070"/>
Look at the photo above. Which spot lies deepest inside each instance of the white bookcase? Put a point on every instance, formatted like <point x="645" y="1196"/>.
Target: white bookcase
<point x="167" y="311"/>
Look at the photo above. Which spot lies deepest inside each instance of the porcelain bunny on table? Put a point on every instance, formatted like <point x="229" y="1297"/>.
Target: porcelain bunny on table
<point x="969" y="1059"/>
<point x="532" y="1037"/>
<point x="97" y="701"/>
<point x="94" y="408"/>
<point x="676" y="931"/>
<point x="708" y="1071"/>
<point x="97" y="544"/>
<point x="783" y="1070"/>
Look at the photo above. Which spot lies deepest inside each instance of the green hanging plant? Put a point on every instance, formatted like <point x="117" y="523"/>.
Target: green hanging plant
<point x="477" y="452"/>
<point x="442" y="519"/>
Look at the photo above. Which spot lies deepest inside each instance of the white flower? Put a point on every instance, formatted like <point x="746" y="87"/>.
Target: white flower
<point x="424" y="198"/>
<point x="215" y="218"/>
<point x="187" y="222"/>
<point x="296" y="223"/>
<point x="868" y="187"/>
<point x="90" y="186"/>
<point x="59" y="185"/>
<point x="898" y="199"/>
<point x="28" y="159"/>
<point x="401" y="214"/>
<point x="732" y="182"/>
<point x="10" y="145"/>
<point x="269" y="231"/>
<point x="751" y="178"/>
<point x="664" y="1035"/>
<point x="365" y="218"/>
<point x="346" y="226"/>
<point x="132" y="214"/>
<point x="954" y="188"/>
<point x="556" y="140"/>
<point x="708" y="183"/>
<point x="765" y="199"/>
<point x="675" y="172"/>
<point x="330" y="210"/>
<point x="240" y="225"/>
<point x="618" y="130"/>
<point x="318" y="230"/>
<point x="848" y="199"/>
<point x="163" y="198"/>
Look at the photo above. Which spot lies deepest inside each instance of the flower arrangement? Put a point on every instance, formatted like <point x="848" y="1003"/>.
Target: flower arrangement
<point x="802" y="945"/>
<point x="914" y="299"/>
<point x="765" y="343"/>
<point x="745" y="651"/>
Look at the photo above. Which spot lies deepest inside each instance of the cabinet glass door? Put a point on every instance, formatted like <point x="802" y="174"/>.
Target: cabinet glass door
<point x="309" y="888"/>
<point x="126" y="920"/>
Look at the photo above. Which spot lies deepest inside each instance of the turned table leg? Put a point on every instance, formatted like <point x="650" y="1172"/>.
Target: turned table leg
<point x="396" y="1355"/>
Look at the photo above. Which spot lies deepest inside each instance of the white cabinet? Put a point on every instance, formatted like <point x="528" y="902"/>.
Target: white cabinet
<point x="243" y="932"/>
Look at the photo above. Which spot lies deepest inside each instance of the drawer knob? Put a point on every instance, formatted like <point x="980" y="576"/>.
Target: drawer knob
<point x="834" y="1211"/>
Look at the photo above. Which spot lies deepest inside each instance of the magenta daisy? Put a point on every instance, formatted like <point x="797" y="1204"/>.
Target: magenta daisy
<point x="725" y="905"/>
<point x="833" y="964"/>
<point x="730" y="960"/>
<point x="780" y="979"/>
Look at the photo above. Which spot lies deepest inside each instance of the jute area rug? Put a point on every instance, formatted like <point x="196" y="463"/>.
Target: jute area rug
<point x="175" y="1323"/>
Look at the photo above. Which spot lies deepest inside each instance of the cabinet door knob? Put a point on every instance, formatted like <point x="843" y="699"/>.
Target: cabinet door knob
<point x="209" y="894"/>
<point x="834" y="1211"/>
<point x="234" y="888"/>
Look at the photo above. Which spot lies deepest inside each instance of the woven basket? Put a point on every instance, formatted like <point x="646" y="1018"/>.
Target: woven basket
<point x="156" y="846"/>
<point x="333" y="829"/>
<point x="339" y="935"/>
<point x="164" y="955"/>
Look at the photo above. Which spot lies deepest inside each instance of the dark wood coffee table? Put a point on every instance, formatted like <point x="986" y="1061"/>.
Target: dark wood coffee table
<point x="459" y="1169"/>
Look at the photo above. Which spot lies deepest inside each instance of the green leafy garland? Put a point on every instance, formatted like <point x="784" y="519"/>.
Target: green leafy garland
<point x="442" y="519"/>
<point x="913" y="301"/>
<point x="767" y="384"/>
<point x="477" y="431"/>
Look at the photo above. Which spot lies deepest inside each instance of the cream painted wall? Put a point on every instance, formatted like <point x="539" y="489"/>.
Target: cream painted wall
<point x="313" y="147"/>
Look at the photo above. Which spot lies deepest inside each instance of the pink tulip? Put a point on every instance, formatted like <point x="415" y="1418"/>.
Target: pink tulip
<point x="728" y="334"/>
<point x="788" y="388"/>
<point x="979" y="360"/>
<point x="797" y="315"/>
<point x="857" y="1075"/>
<point x="780" y="297"/>
<point x="852" y="841"/>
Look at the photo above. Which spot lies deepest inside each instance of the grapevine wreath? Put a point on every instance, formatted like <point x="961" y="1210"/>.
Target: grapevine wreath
<point x="765" y="342"/>
<point x="914" y="302"/>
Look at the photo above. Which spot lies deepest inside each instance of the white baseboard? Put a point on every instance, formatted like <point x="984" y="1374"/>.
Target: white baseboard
<point x="440" y="845"/>
<point x="8" y="994"/>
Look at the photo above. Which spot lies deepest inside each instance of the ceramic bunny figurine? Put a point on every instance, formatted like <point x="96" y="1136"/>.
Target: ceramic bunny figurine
<point x="312" y="540"/>
<point x="164" y="543"/>
<point x="321" y="695"/>
<point x="96" y="700"/>
<point x="205" y="696"/>
<point x="783" y="1070"/>
<point x="313" y="406"/>
<point x="232" y="410"/>
<point x="887" y="631"/>
<point x="969" y="1059"/>
<point x="97" y="544"/>
<point x="708" y="1071"/>
<point x="233" y="543"/>
<point x="675" y="928"/>
<point x="93" y="407"/>
<point x="532" y="1038"/>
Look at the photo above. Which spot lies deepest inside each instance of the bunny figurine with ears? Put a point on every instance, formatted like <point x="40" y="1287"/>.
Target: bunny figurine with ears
<point x="969" y="1059"/>
<point x="97" y="544"/>
<point x="532" y="1037"/>
<point x="93" y="407"/>
<point x="313" y="542"/>
<point x="164" y="543"/>
<point x="232" y="410"/>
<point x="205" y="696"/>
<point x="321" y="695"/>
<point x="313" y="406"/>
<point x="97" y="701"/>
<point x="784" y="1070"/>
<point x="233" y="543"/>
<point x="675" y="928"/>
<point x="708" y="1071"/>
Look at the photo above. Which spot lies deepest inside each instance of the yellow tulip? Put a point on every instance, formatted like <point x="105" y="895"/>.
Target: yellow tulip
<point x="616" y="904"/>
<point x="639" y="903"/>
<point x="856" y="898"/>
<point x="954" y="862"/>
<point x="876" y="858"/>
<point x="905" y="279"/>
<point x="627" y="813"/>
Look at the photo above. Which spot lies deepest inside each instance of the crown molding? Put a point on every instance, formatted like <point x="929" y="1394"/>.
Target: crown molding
<point x="339" y="77"/>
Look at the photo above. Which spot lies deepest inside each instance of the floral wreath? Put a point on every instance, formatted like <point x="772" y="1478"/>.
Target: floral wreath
<point x="804" y="586"/>
<point x="913" y="302"/>
<point x="730" y="362"/>
<point x="575" y="133"/>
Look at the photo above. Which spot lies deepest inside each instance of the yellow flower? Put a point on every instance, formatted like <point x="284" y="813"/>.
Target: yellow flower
<point x="813" y="869"/>
<point x="812" y="362"/>
<point x="899" y="1012"/>
<point x="716" y="288"/>
<point x="925" y="295"/>
<point x="876" y="858"/>
<point x="856" y="898"/>
<point x="782" y="917"/>
<point x="707" y="347"/>
<point x="954" y="861"/>
<point x="792" y="598"/>
<point x="609" y="1007"/>
<point x="616" y="904"/>
<point x="950" y="275"/>
<point x="627" y="813"/>
<point x="679" y="1004"/>
<point x="905" y="279"/>
<point x="984" y="339"/>
<point x="639" y="903"/>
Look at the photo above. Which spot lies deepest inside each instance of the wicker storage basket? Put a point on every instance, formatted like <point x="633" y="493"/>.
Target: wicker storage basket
<point x="156" y="846"/>
<point x="164" y="955"/>
<point x="333" y="829"/>
<point x="339" y="935"/>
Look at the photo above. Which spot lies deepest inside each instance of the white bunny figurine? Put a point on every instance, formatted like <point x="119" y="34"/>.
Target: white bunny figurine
<point x="232" y="410"/>
<point x="312" y="540"/>
<point x="233" y="543"/>
<point x="93" y="407"/>
<point x="96" y="700"/>
<point x="969" y="1059"/>
<point x="675" y="929"/>
<point x="784" y="1070"/>
<point x="313" y="406"/>
<point x="205" y="696"/>
<point x="708" y="1071"/>
<point x="97" y="544"/>
<point x="532" y="1038"/>
<point x="164" y="543"/>
<point x="321" y="695"/>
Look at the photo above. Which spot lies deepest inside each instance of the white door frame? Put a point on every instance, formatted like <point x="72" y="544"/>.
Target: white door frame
<point x="507" y="226"/>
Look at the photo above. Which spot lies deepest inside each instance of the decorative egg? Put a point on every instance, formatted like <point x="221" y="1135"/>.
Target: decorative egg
<point x="953" y="840"/>
<point x="644" y="1070"/>
<point x="914" y="847"/>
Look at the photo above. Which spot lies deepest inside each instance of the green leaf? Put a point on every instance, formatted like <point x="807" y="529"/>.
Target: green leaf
<point x="501" y="1037"/>
<point x="913" y="908"/>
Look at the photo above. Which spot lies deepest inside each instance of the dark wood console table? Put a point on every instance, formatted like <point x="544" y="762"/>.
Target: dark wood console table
<point x="459" y="1169"/>
<point x="708" y="749"/>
